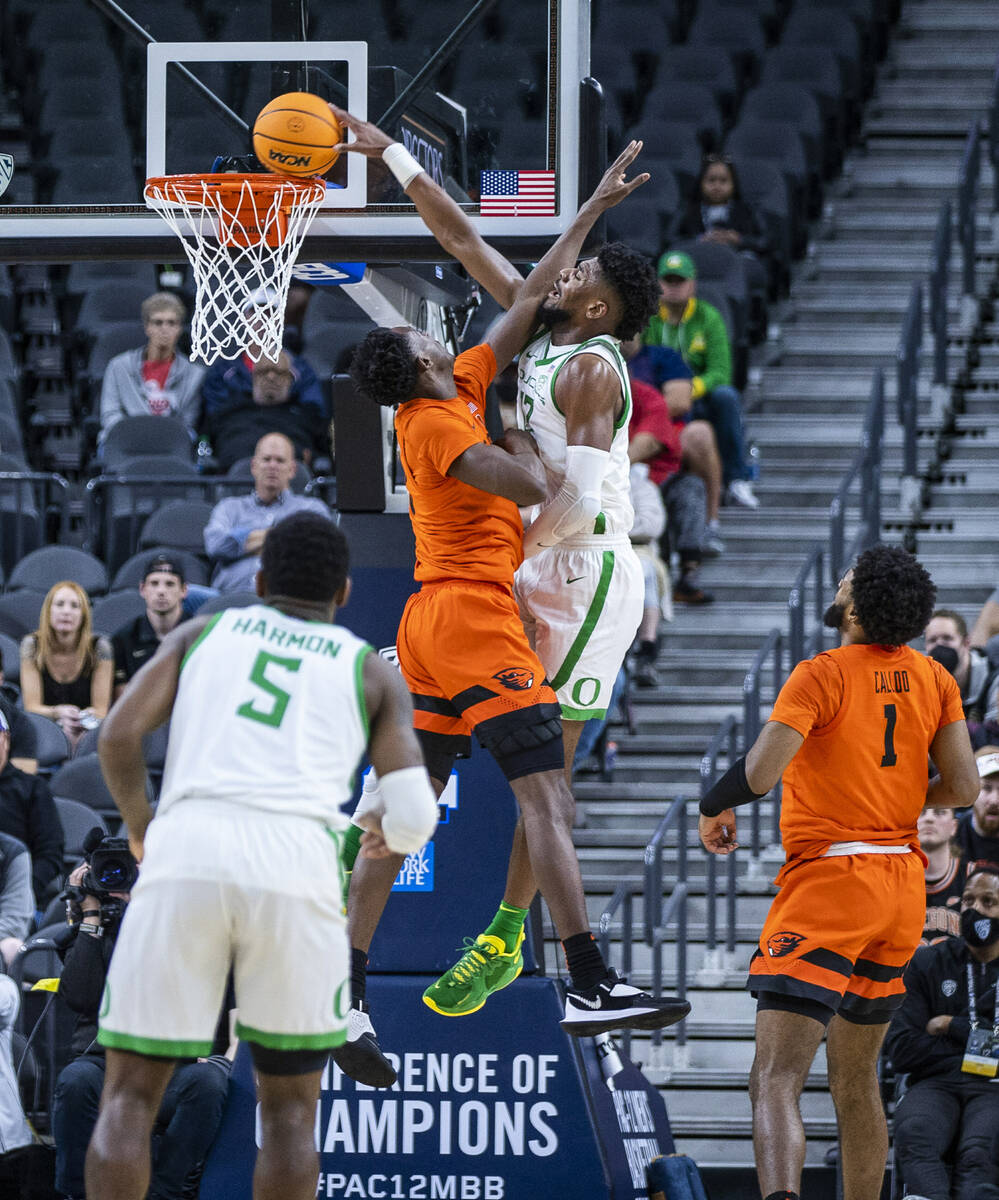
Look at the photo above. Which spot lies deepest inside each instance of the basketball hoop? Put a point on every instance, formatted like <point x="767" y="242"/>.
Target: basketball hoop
<point x="242" y="234"/>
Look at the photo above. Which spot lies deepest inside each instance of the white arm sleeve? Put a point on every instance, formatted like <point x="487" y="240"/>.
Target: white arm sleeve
<point x="575" y="505"/>
<point x="370" y="807"/>
<point x="410" y="809"/>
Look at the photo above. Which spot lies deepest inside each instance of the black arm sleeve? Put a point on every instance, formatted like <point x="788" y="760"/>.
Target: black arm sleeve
<point x="730" y="791"/>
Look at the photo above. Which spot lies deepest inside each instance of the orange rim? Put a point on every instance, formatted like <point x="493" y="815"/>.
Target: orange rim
<point x="229" y="188"/>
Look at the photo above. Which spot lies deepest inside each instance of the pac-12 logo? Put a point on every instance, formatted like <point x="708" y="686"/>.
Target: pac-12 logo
<point x="779" y="944"/>
<point x="517" y="679"/>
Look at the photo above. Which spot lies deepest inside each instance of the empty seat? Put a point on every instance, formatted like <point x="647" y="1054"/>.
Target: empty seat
<point x="690" y="104"/>
<point x="702" y="65"/>
<point x="739" y="33"/>
<point x="180" y="524"/>
<point x="833" y="30"/>
<point x="42" y="568"/>
<point x="115" y="610"/>
<point x="639" y="224"/>
<point x="24" y="608"/>
<point x="11" y="438"/>
<point x="131" y="572"/>
<point x="228" y="600"/>
<point x="77" y="820"/>
<point x="10" y="658"/>
<point x="795" y="104"/>
<point x="160" y="436"/>
<point x="674" y="143"/>
<point x="780" y="143"/>
<point x="53" y="748"/>
<point x="116" y="301"/>
<point x="82" y="780"/>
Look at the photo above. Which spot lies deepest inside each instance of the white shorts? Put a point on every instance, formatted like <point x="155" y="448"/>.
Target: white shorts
<point x="581" y="609"/>
<point x="225" y="885"/>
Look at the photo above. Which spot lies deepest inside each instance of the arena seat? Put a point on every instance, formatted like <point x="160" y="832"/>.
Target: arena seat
<point x="77" y="820"/>
<point x="780" y="143"/>
<point x="640" y="223"/>
<point x="24" y="606"/>
<point x="700" y="64"/>
<point x="692" y="104"/>
<point x="735" y="32"/>
<point x="132" y="436"/>
<point x="53" y="745"/>
<point x="816" y="68"/>
<point x="42" y="568"/>
<point x="116" y="609"/>
<point x="794" y="104"/>
<point x="81" y="780"/>
<point x="130" y="573"/>
<point x="180" y="524"/>
<point x="10" y="658"/>
<point x="228" y="600"/>
<point x="241" y="470"/>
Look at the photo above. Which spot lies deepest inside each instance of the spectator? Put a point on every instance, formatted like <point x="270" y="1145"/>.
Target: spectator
<point x="716" y="212"/>
<point x="946" y="639"/>
<point x="15" y="1131"/>
<point x="697" y="330"/>
<point x="228" y="383"/>
<point x="192" y="1105"/>
<point x="647" y="529"/>
<point x="655" y="440"/>
<point x="986" y="628"/>
<point x="666" y="370"/>
<point x="238" y="526"/>
<point x="156" y="379"/>
<point x="948" y="1110"/>
<point x="945" y="873"/>
<point x="163" y="588"/>
<point x="17" y="901"/>
<point x="23" y="738"/>
<point x="67" y="672"/>
<point x="28" y="813"/>
<point x="239" y="421"/>
<point x="978" y="827"/>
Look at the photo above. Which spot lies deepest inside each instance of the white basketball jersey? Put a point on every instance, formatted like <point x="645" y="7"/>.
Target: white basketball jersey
<point x="537" y="412"/>
<point x="270" y="714"/>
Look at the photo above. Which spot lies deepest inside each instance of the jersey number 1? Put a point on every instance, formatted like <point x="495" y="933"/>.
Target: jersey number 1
<point x="279" y="697"/>
<point x="889" y="759"/>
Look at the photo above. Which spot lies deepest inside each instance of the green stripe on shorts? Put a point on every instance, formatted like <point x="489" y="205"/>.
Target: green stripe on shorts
<point x="589" y="622"/>
<point x="153" y="1047"/>
<point x="582" y="714"/>
<point x="291" y="1041"/>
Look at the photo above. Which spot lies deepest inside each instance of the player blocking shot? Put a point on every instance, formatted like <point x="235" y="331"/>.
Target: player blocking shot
<point x="271" y="708"/>
<point x="462" y="646"/>
<point x="850" y="732"/>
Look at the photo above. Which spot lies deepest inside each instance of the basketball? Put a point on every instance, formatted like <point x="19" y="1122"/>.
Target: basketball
<point x="295" y="134"/>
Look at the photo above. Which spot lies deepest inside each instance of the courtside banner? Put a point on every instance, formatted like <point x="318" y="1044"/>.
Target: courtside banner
<point x="500" y="1105"/>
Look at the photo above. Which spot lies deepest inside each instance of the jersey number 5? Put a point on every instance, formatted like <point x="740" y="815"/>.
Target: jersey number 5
<point x="889" y="758"/>
<point x="279" y="697"/>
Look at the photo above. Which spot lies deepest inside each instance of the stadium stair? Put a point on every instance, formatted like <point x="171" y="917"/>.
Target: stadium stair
<point x="843" y="319"/>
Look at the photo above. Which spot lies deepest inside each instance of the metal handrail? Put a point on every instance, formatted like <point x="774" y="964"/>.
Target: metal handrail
<point x="726" y="737"/>
<point x="994" y="138"/>
<point x="50" y="496"/>
<point x="967" y="205"/>
<point x="811" y="569"/>
<point x="907" y="367"/>
<point x="866" y="467"/>
<point x="652" y="861"/>
<point x="772" y="650"/>
<point x="938" y="286"/>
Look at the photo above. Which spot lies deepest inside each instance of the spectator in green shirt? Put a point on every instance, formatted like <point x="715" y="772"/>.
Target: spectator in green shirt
<point x="696" y="329"/>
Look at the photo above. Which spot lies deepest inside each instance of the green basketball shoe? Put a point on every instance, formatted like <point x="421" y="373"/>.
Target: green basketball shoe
<point x="484" y="967"/>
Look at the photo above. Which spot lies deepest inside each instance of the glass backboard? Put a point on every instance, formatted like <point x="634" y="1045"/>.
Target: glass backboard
<point x="105" y="94"/>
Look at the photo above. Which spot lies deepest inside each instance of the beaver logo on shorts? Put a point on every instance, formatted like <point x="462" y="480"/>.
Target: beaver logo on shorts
<point x="517" y="679"/>
<point x="779" y="944"/>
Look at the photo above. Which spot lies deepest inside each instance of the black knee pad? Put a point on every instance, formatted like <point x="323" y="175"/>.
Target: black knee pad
<point x="525" y="746"/>
<point x="440" y="750"/>
<point x="287" y="1062"/>
<point x="805" y="1006"/>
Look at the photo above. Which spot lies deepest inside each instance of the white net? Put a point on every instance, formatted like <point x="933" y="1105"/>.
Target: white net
<point x="241" y="235"/>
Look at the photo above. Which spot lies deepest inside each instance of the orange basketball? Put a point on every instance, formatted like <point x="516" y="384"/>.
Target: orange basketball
<point x="295" y="135"/>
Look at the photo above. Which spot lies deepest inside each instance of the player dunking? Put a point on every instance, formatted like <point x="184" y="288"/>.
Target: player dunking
<point x="271" y="708"/>
<point x="461" y="642"/>
<point x="850" y="732"/>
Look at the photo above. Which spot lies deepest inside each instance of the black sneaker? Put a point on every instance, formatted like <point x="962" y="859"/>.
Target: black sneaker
<point x="645" y="674"/>
<point x="360" y="1056"/>
<point x="615" y="1004"/>
<point x="687" y="591"/>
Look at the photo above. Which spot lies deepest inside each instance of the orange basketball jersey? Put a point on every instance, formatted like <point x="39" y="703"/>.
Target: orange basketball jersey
<point x="868" y="715"/>
<point x="461" y="532"/>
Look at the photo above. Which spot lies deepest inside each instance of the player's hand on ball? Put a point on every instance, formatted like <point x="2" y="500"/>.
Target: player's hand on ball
<point x="718" y="833"/>
<point x="613" y="188"/>
<point x="369" y="139"/>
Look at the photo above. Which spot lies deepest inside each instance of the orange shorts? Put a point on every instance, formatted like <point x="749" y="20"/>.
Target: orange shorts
<point x="841" y="931"/>
<point x="467" y="662"/>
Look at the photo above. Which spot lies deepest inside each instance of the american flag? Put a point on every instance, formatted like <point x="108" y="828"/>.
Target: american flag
<point x="517" y="194"/>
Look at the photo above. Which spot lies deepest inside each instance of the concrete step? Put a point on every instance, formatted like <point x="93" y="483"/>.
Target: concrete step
<point x="734" y="1153"/>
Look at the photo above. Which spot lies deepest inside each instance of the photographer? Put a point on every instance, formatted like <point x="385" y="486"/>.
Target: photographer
<point x="192" y="1106"/>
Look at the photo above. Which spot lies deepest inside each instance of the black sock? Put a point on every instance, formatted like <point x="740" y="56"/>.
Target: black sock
<point x="584" y="960"/>
<point x="782" y="1196"/>
<point x="358" y="975"/>
<point x="646" y="651"/>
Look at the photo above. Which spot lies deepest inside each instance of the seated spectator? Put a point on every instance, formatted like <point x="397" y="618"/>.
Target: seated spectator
<point x="655" y="440"/>
<point x="163" y="589"/>
<point x="23" y="738"/>
<point x="949" y="1112"/>
<point x="227" y="383"/>
<point x="15" y="1132"/>
<point x="697" y="330"/>
<point x="716" y="212"/>
<point x="237" y="529"/>
<point x="155" y="380"/>
<point x="239" y="421"/>
<point x="946" y="639"/>
<point x="646" y="530"/>
<point x="28" y="813"/>
<point x="17" y="900"/>
<point x="67" y="672"/>
<point x="978" y="827"/>
<point x="191" y="1111"/>
<point x="945" y="873"/>
<point x="985" y="634"/>
<point x="665" y="369"/>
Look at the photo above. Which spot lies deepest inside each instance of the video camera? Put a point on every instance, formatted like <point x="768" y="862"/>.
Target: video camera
<point x="112" y="868"/>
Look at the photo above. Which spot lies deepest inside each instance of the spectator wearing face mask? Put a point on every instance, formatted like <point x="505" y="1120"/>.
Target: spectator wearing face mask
<point x="946" y="640"/>
<point x="942" y="1037"/>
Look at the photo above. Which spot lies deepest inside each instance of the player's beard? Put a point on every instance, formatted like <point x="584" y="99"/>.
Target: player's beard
<point x="551" y="316"/>
<point x="832" y="618"/>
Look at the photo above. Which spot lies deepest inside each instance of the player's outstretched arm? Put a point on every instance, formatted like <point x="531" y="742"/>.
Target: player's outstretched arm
<point x="406" y="815"/>
<point x="448" y="223"/>
<point x="145" y="705"/>
<point x="957" y="785"/>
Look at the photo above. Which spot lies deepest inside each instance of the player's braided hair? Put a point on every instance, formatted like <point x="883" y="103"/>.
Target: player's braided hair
<point x="633" y="277"/>
<point x="384" y="368"/>
<point x="305" y="557"/>
<point x="893" y="595"/>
